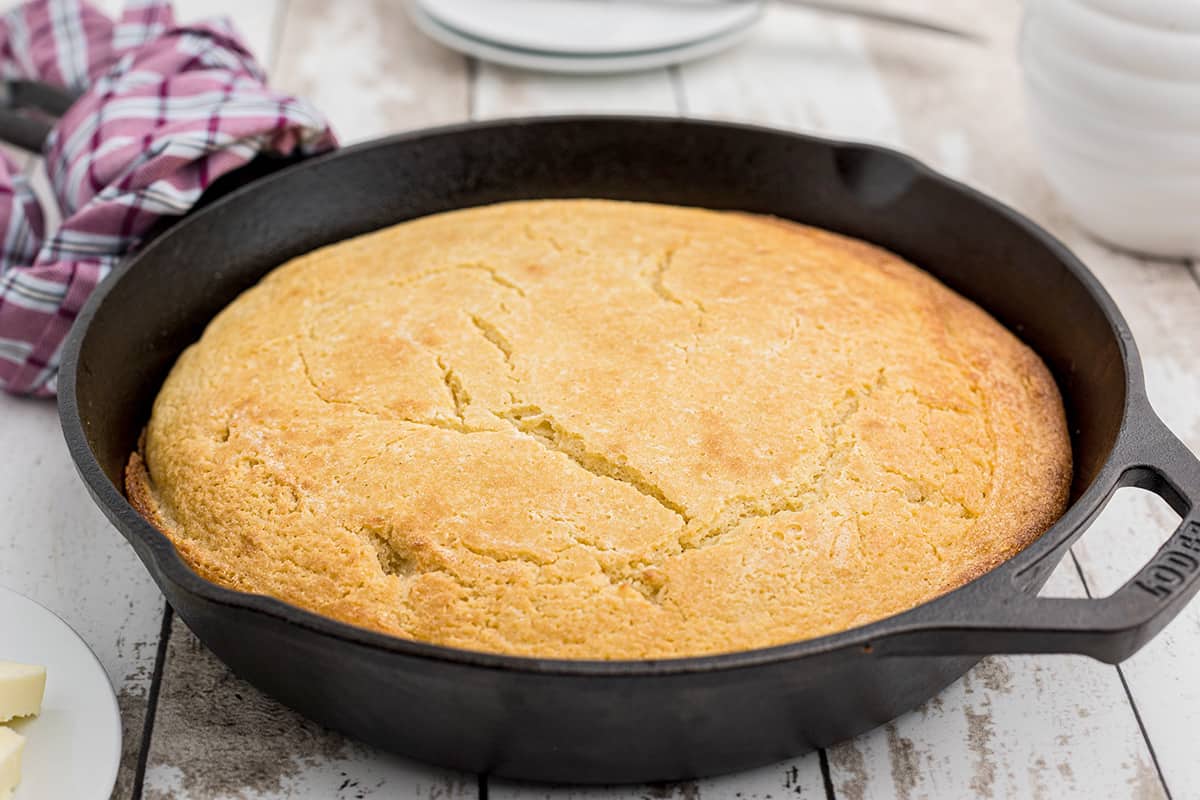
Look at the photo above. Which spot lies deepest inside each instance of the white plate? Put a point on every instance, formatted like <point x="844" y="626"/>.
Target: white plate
<point x="592" y="27"/>
<point x="579" y="65"/>
<point x="73" y="748"/>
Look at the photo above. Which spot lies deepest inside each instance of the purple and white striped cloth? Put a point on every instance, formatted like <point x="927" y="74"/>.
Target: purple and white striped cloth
<point x="165" y="111"/>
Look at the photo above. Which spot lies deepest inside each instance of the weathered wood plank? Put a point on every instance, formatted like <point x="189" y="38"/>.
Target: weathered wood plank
<point x="1162" y="305"/>
<point x="57" y="548"/>
<point x="366" y="66"/>
<point x="216" y="736"/>
<point x="800" y="71"/>
<point x="1039" y="727"/>
<point x="504" y="92"/>
<point x="257" y="21"/>
<point x="797" y="779"/>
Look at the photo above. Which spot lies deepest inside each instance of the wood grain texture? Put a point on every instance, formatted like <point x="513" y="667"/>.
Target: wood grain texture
<point x="364" y="64"/>
<point x="216" y="736"/>
<point x="504" y="92"/>
<point x="800" y="71"/>
<point x="796" y="779"/>
<point x="256" y="20"/>
<point x="57" y="548"/>
<point x="1037" y="727"/>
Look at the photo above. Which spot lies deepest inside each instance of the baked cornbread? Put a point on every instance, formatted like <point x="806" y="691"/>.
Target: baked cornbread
<point x="591" y="429"/>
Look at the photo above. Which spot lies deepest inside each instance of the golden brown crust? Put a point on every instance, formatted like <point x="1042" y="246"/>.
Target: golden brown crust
<point x="592" y="429"/>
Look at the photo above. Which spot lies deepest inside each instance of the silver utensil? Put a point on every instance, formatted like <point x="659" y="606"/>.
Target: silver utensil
<point x="883" y="17"/>
<point x="848" y="10"/>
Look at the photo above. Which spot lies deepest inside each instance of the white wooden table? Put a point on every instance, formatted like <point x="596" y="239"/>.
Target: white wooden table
<point x="1021" y="727"/>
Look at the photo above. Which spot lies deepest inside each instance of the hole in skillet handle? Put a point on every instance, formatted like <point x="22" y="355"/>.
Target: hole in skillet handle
<point x="875" y="178"/>
<point x="1111" y="628"/>
<point x="1130" y="529"/>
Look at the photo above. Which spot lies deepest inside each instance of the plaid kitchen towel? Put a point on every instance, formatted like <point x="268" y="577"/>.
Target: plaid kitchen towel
<point x="165" y="111"/>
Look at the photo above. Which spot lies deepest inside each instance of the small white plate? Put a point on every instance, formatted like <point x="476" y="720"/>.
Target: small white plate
<point x="574" y="64"/>
<point x="73" y="748"/>
<point x="592" y="27"/>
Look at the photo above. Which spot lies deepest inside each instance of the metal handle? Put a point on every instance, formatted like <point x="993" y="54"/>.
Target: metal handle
<point x="24" y="132"/>
<point x="29" y="131"/>
<point x="839" y="8"/>
<point x="1110" y="628"/>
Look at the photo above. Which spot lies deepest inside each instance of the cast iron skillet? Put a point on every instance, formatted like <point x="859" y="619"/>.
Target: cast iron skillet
<point x="585" y="721"/>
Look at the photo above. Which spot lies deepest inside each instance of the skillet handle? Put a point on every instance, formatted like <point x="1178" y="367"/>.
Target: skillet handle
<point x="1109" y="628"/>
<point x="48" y="103"/>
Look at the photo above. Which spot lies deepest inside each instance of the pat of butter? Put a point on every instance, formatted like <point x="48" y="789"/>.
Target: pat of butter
<point x="21" y="689"/>
<point x="11" y="745"/>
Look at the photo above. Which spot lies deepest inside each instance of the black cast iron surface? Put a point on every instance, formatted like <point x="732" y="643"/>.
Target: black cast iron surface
<point x="587" y="721"/>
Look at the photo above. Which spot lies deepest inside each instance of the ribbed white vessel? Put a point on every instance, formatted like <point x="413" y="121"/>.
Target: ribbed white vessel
<point x="1113" y="95"/>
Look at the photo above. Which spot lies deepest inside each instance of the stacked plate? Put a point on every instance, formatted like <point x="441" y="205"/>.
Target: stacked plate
<point x="586" y="36"/>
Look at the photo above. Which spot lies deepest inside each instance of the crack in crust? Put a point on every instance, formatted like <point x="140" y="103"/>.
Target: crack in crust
<point x="546" y="431"/>
<point x="658" y="277"/>
<point x="459" y="398"/>
<point x="392" y="559"/>
<point x="534" y="424"/>
<point x="458" y="393"/>
<point x="497" y="339"/>
<point x="494" y="275"/>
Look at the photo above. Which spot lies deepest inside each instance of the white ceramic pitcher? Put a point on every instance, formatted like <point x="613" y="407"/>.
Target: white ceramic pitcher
<point x="1113" y="93"/>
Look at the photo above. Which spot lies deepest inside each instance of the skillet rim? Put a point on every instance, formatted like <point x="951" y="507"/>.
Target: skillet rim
<point x="169" y="566"/>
